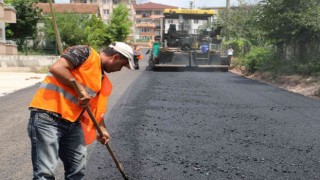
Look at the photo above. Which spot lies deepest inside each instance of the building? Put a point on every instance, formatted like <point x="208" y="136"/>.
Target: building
<point x="149" y="17"/>
<point x="106" y="6"/>
<point x="69" y="8"/>
<point x="148" y="22"/>
<point x="106" y="9"/>
<point x="7" y="15"/>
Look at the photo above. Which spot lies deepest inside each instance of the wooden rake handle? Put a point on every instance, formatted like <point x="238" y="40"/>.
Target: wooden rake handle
<point x="87" y="108"/>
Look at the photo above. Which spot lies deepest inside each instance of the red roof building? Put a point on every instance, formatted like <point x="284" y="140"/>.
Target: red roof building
<point x="69" y="8"/>
<point x="147" y="22"/>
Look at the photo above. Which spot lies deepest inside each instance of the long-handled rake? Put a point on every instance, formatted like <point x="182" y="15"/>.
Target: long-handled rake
<point x="119" y="166"/>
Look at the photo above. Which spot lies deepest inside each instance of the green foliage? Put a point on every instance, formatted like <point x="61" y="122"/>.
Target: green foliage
<point x="258" y="58"/>
<point x="119" y="26"/>
<point x="238" y="45"/>
<point x="90" y="30"/>
<point x="310" y="68"/>
<point x="292" y="21"/>
<point x="7" y="1"/>
<point x="96" y="32"/>
<point x="71" y="28"/>
<point x="240" y="23"/>
<point x="27" y="19"/>
<point x="280" y="25"/>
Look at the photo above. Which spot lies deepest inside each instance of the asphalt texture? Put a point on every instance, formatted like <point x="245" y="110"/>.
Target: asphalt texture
<point x="188" y="126"/>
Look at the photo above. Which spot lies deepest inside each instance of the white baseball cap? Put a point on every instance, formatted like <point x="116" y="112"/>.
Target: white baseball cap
<point x="125" y="50"/>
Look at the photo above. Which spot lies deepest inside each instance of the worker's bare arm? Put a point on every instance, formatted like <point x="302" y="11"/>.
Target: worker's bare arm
<point x="61" y="70"/>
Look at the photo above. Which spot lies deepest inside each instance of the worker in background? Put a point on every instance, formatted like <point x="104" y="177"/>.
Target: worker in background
<point x="230" y="54"/>
<point x="137" y="56"/>
<point x="58" y="125"/>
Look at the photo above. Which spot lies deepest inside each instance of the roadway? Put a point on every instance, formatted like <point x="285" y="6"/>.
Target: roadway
<point x="186" y="125"/>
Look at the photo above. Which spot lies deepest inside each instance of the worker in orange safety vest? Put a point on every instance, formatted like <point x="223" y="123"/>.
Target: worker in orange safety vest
<point x="137" y="56"/>
<point x="58" y="125"/>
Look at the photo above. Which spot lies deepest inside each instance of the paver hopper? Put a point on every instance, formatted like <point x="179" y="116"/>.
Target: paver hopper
<point x="179" y="51"/>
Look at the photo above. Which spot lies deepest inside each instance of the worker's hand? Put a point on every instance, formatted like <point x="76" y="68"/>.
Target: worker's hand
<point x="84" y="100"/>
<point x="105" y="138"/>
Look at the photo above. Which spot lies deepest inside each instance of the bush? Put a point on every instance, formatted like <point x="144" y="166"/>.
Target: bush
<point x="310" y="68"/>
<point x="258" y="58"/>
<point x="240" y="46"/>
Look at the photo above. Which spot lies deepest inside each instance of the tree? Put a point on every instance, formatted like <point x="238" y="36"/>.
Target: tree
<point x="27" y="19"/>
<point x="119" y="25"/>
<point x="96" y="32"/>
<point x="290" y="21"/>
<point x="71" y="28"/>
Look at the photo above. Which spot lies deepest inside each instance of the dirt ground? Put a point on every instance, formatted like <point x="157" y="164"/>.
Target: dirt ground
<point x="307" y="86"/>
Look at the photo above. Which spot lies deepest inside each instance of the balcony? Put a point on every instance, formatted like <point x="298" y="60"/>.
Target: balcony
<point x="146" y="34"/>
<point x="9" y="15"/>
<point x="139" y="16"/>
<point x="147" y="25"/>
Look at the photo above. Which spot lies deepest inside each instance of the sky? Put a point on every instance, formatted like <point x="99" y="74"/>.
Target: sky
<point x="185" y="3"/>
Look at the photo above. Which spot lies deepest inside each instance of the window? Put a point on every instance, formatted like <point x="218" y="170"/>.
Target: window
<point x="146" y="13"/>
<point x="196" y="21"/>
<point x="145" y="37"/>
<point x="105" y="1"/>
<point x="106" y="11"/>
<point x="115" y="1"/>
<point x="1" y="31"/>
<point x="157" y="12"/>
<point x="139" y="12"/>
<point x="146" y="30"/>
<point x="170" y="21"/>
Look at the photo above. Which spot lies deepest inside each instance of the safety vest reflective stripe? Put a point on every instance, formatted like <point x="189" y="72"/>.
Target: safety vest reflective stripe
<point x="90" y="92"/>
<point x="60" y="90"/>
<point x="56" y="97"/>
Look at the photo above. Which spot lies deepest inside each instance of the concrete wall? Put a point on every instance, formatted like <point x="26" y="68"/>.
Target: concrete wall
<point x="25" y="63"/>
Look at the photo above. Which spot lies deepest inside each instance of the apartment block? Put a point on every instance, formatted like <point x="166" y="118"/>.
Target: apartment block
<point x="7" y="15"/>
<point x="148" y="22"/>
<point x="106" y="6"/>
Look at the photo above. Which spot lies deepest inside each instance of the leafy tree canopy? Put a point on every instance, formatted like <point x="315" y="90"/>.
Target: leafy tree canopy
<point x="27" y="19"/>
<point x="71" y="28"/>
<point x="119" y="26"/>
<point x="96" y="32"/>
<point x="289" y="21"/>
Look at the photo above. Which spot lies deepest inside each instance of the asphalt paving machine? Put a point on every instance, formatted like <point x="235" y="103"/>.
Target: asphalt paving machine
<point x="179" y="50"/>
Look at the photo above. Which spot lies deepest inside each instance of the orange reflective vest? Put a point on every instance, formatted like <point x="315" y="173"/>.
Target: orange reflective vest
<point x="56" y="97"/>
<point x="137" y="52"/>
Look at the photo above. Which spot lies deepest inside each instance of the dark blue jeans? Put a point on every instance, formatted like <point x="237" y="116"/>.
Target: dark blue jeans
<point x="52" y="138"/>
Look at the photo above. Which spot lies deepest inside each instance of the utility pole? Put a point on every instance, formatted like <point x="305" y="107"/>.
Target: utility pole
<point x="56" y="31"/>
<point x="192" y="4"/>
<point x="228" y="4"/>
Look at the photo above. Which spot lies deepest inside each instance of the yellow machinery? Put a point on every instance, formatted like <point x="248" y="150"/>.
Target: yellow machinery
<point x="180" y="51"/>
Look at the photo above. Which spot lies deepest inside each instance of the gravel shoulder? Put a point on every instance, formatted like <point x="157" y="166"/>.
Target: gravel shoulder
<point x="307" y="86"/>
